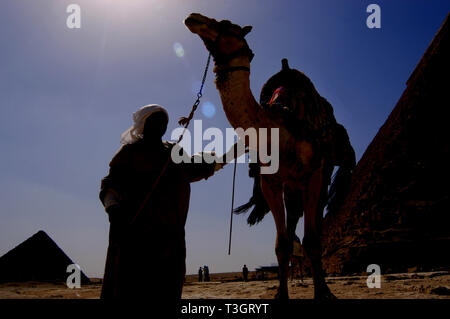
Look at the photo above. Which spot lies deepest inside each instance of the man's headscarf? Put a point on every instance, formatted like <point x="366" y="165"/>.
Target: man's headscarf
<point x="135" y="131"/>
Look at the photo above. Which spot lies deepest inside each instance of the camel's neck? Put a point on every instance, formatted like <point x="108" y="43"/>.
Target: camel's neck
<point x="238" y="101"/>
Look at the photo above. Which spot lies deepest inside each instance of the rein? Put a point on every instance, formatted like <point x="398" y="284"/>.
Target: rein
<point x="232" y="206"/>
<point x="183" y="121"/>
<point x="221" y="70"/>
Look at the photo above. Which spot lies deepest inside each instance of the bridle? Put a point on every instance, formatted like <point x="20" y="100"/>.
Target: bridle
<point x="221" y="60"/>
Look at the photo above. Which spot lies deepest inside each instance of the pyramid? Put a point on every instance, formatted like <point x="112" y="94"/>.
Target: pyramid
<point x="397" y="213"/>
<point x="36" y="259"/>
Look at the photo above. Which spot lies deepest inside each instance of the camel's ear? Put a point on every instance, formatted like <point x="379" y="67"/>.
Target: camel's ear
<point x="246" y="30"/>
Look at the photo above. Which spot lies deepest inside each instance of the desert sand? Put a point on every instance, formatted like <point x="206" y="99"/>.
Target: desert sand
<point x="230" y="286"/>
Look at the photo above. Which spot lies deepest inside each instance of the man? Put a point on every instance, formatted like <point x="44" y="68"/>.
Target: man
<point x="137" y="250"/>
<point x="245" y="272"/>
<point x="206" y="273"/>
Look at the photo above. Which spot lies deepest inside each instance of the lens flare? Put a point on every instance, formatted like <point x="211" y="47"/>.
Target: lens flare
<point x="178" y="49"/>
<point x="208" y="109"/>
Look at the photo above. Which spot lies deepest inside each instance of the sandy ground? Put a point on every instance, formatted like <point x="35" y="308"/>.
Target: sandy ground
<point x="229" y="286"/>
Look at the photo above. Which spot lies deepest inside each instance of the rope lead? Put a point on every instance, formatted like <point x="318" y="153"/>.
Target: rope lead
<point x="232" y="206"/>
<point x="183" y="121"/>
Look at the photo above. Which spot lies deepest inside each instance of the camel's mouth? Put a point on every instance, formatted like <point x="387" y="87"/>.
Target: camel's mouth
<point x="202" y="26"/>
<point x="195" y="22"/>
<point x="210" y="30"/>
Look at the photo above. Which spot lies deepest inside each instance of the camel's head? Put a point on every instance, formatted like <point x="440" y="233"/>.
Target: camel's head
<point x="223" y="39"/>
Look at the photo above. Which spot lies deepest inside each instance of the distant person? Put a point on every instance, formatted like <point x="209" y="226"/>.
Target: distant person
<point x="245" y="272"/>
<point x="157" y="237"/>
<point x="200" y="274"/>
<point x="206" y="272"/>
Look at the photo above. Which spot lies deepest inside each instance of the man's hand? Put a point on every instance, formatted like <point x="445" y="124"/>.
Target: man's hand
<point x="219" y="166"/>
<point x="234" y="152"/>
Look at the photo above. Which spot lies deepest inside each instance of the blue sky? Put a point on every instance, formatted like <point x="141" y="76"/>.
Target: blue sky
<point x="67" y="94"/>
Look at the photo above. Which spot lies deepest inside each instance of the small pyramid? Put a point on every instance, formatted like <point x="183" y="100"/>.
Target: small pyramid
<point x="36" y="259"/>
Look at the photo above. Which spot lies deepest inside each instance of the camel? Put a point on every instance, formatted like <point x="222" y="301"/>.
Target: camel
<point x="308" y="153"/>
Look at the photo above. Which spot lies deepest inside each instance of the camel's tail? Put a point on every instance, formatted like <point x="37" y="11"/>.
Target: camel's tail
<point x="346" y="160"/>
<point x="261" y="208"/>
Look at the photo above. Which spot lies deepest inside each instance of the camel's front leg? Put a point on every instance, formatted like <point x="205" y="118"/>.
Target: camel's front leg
<point x="314" y="199"/>
<point x="273" y="193"/>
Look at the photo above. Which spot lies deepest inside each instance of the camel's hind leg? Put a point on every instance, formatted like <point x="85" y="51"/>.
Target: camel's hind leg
<point x="273" y="193"/>
<point x="315" y="198"/>
<point x="294" y="210"/>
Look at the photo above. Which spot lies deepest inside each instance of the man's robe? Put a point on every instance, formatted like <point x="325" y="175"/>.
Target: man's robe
<point x="147" y="259"/>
